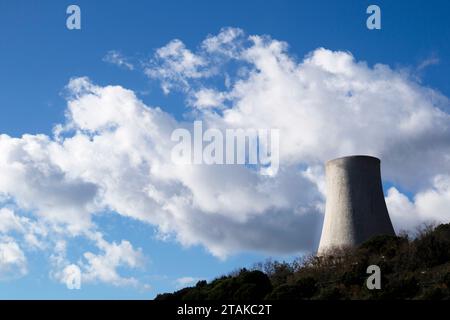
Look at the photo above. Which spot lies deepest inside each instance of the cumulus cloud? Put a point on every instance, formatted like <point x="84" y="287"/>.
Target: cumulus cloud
<point x="113" y="151"/>
<point x="329" y="105"/>
<point x="429" y="205"/>
<point x="177" y="67"/>
<point x="13" y="263"/>
<point x="101" y="266"/>
<point x="10" y="222"/>
<point x="229" y="42"/>
<point x="32" y="231"/>
<point x="37" y="184"/>
<point x="175" y="64"/>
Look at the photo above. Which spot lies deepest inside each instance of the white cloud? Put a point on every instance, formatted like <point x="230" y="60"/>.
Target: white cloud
<point x="403" y="213"/>
<point x="102" y="266"/>
<point x="33" y="232"/>
<point x="10" y="222"/>
<point x="428" y="206"/>
<point x="37" y="184"/>
<point x="329" y="105"/>
<point x="118" y="59"/>
<point x="207" y="98"/>
<point x="13" y="263"/>
<point x="185" y="281"/>
<point x="431" y="61"/>
<point x="228" y="42"/>
<point x="177" y="67"/>
<point x="113" y="152"/>
<point x="175" y="64"/>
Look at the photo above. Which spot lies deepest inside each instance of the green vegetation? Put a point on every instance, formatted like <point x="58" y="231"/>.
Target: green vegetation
<point x="416" y="268"/>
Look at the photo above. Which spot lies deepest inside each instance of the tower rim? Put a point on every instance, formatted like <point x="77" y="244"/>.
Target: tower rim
<point x="354" y="157"/>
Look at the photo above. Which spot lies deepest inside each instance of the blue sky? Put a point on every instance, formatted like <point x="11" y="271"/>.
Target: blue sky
<point x="39" y="56"/>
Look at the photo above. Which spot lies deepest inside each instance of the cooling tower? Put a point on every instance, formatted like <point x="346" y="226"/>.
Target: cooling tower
<point x="355" y="208"/>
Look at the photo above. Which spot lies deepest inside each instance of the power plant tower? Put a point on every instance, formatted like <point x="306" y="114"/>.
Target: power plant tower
<point x="355" y="207"/>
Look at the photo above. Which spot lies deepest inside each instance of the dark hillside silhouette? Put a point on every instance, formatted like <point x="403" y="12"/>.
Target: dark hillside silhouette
<point x="416" y="268"/>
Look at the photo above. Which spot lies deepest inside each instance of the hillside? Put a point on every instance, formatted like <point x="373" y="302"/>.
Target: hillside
<point x="416" y="268"/>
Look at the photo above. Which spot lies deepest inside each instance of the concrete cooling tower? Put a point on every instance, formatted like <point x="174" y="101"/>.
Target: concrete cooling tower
<point x="355" y="207"/>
